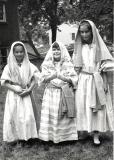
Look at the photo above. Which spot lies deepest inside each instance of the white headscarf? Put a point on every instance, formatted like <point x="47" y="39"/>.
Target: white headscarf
<point x="65" y="63"/>
<point x="100" y="49"/>
<point x="25" y="77"/>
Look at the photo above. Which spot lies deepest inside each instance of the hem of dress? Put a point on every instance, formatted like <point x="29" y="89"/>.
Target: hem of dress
<point x="25" y="139"/>
<point x="89" y="131"/>
<point x="61" y="140"/>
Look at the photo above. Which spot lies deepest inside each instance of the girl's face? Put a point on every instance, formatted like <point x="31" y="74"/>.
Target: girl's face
<point x="86" y="34"/>
<point x="56" y="54"/>
<point x="19" y="53"/>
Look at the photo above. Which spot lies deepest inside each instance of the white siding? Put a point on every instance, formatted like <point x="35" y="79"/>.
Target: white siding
<point x="64" y="34"/>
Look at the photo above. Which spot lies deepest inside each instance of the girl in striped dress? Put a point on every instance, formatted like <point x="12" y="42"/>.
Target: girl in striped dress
<point x="58" y="110"/>
<point x="93" y="101"/>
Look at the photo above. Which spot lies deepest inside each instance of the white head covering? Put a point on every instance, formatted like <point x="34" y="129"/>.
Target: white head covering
<point x="64" y="53"/>
<point x="100" y="49"/>
<point x="65" y="67"/>
<point x="65" y="63"/>
<point x="25" y="77"/>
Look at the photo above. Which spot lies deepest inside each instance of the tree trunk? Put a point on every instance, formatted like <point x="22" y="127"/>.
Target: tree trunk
<point x="54" y="20"/>
<point x="54" y="30"/>
<point x="32" y="45"/>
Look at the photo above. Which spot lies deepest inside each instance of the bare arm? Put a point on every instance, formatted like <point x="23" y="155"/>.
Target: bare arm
<point x="104" y="76"/>
<point x="29" y="89"/>
<point x="51" y="77"/>
<point x="63" y="78"/>
<point x="15" y="88"/>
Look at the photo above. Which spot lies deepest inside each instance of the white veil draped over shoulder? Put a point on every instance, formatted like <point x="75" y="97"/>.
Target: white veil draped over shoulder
<point x="101" y="51"/>
<point x="25" y="77"/>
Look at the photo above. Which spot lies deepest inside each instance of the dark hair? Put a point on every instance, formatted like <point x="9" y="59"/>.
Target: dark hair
<point x="84" y="22"/>
<point x="55" y="45"/>
<point x="18" y="44"/>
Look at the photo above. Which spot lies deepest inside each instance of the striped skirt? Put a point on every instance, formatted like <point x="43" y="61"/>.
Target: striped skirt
<point x="51" y="127"/>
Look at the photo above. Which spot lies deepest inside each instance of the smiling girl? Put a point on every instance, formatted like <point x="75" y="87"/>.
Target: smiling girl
<point x="58" y="110"/>
<point x="19" y="78"/>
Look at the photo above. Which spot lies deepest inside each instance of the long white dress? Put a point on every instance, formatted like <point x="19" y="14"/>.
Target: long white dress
<point x="87" y="120"/>
<point x="19" y="122"/>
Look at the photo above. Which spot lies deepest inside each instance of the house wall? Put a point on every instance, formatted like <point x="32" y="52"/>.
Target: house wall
<point x="64" y="34"/>
<point x="9" y="31"/>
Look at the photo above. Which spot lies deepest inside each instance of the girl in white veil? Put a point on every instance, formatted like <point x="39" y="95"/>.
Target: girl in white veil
<point x="19" y="78"/>
<point x="58" y="110"/>
<point x="94" y="108"/>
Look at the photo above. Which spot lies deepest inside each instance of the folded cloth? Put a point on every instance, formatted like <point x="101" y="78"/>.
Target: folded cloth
<point x="100" y="94"/>
<point x="67" y="102"/>
<point x="107" y="66"/>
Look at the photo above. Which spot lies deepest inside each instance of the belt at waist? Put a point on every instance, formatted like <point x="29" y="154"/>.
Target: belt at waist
<point x="100" y="94"/>
<point x="86" y="72"/>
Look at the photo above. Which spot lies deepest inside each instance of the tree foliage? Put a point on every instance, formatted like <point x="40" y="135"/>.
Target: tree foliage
<point x="50" y="13"/>
<point x="99" y="11"/>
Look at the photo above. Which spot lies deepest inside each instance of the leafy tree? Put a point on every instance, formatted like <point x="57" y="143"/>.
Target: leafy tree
<point x="44" y="11"/>
<point x="50" y="13"/>
<point x="99" y="11"/>
<point x="26" y="12"/>
<point x="35" y="11"/>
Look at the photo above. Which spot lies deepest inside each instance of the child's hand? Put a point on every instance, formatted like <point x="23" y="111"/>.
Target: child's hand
<point x="59" y="76"/>
<point x="105" y="87"/>
<point x="54" y="75"/>
<point x="49" y="78"/>
<point x="17" y="89"/>
<point x="25" y="92"/>
<point x="63" y="78"/>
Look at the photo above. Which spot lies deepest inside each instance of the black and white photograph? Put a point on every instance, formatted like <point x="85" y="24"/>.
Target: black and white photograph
<point x="56" y="80"/>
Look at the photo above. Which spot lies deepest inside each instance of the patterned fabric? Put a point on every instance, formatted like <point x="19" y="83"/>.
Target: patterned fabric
<point x="107" y="66"/>
<point x="51" y="126"/>
<point x="67" y="103"/>
<point x="65" y="66"/>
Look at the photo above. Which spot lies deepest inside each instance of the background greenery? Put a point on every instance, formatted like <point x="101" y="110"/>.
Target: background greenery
<point x="37" y="16"/>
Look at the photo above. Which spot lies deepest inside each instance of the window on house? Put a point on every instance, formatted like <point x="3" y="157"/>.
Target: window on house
<point x="2" y="12"/>
<point x="73" y="36"/>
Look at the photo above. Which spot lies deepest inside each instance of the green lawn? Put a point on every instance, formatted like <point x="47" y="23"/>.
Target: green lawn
<point x="39" y="150"/>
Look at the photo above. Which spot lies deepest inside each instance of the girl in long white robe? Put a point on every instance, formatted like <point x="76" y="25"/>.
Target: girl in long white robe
<point x="57" y="74"/>
<point x="19" y="121"/>
<point x="93" y="103"/>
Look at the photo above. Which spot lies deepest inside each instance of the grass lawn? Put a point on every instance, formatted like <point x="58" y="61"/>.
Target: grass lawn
<point x="39" y="150"/>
